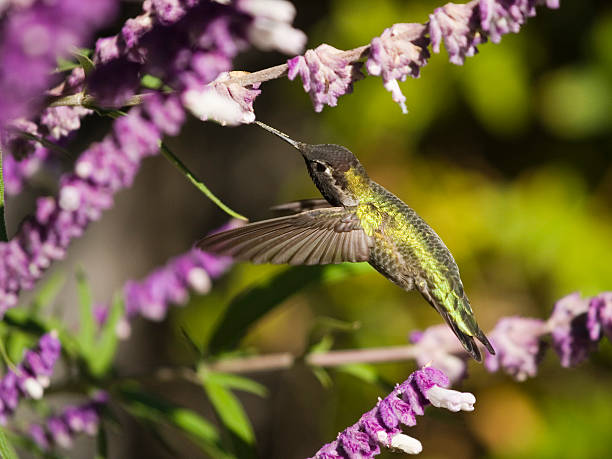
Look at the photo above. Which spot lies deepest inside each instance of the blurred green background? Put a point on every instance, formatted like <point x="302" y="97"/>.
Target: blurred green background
<point x="508" y="158"/>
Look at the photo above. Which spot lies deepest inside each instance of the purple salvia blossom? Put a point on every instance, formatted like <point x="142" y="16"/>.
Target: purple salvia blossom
<point x="60" y="121"/>
<point x="271" y="26"/>
<point x="32" y="36"/>
<point x="381" y="425"/>
<point x="101" y="171"/>
<point x="32" y="375"/>
<point x="399" y="52"/>
<point x="457" y="25"/>
<point x="599" y="316"/>
<point x="325" y="74"/>
<point x="171" y="284"/>
<point x="567" y="326"/>
<point x="518" y="346"/>
<point x="437" y="346"/>
<point x="224" y="103"/>
<point x="60" y="430"/>
<point x="14" y="143"/>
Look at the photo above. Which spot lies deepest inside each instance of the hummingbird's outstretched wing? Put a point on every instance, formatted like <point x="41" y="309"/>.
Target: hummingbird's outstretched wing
<point x="295" y="207"/>
<point x="314" y="237"/>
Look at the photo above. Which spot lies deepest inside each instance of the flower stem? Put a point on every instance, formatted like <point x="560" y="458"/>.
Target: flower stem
<point x="198" y="184"/>
<point x="3" y="233"/>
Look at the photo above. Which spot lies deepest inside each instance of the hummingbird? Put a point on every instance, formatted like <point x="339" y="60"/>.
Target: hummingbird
<point x="358" y="221"/>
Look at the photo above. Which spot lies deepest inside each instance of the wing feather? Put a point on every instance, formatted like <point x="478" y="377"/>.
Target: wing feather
<point x="320" y="236"/>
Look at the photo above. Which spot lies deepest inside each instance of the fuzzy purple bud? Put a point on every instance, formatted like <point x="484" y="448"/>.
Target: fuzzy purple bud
<point x="567" y="325"/>
<point x="599" y="316"/>
<point x="222" y="101"/>
<point x="517" y="345"/>
<point x="399" y="52"/>
<point x="325" y="74"/>
<point x="32" y="376"/>
<point x="438" y="346"/>
<point x="380" y="426"/>
<point x="456" y="26"/>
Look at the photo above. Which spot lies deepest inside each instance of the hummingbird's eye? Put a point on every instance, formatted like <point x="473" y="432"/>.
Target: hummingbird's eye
<point x="321" y="167"/>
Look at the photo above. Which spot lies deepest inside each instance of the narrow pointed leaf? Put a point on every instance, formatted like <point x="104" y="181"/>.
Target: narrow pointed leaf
<point x="152" y="408"/>
<point x="46" y="294"/>
<point x="235" y="382"/>
<point x="6" y="449"/>
<point x="106" y="345"/>
<point x="87" y="323"/>
<point x="232" y="416"/>
<point x="249" y="306"/>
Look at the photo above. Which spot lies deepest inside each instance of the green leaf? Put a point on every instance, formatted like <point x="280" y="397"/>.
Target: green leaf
<point x="151" y="82"/>
<point x="324" y="345"/>
<point x="87" y="330"/>
<point x="84" y="61"/>
<point x="233" y="381"/>
<point x="47" y="293"/>
<point x="323" y="376"/>
<point x="231" y="414"/>
<point x="251" y="305"/>
<point x="192" y="344"/>
<point x="363" y="371"/>
<point x="152" y="408"/>
<point x="6" y="449"/>
<point x="106" y="345"/>
<point x="63" y="65"/>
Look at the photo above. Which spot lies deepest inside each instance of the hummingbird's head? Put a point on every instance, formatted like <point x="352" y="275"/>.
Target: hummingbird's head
<point x="328" y="166"/>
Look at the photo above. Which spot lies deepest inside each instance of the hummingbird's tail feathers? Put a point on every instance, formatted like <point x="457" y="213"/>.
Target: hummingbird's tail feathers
<point x="462" y="322"/>
<point x="466" y="340"/>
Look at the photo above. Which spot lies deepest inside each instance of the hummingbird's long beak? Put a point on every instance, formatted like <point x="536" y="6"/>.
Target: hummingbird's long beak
<point x="282" y="135"/>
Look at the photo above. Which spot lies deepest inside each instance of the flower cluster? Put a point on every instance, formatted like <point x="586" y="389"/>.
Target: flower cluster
<point x="196" y="47"/>
<point x="575" y="327"/>
<point x="326" y="74"/>
<point x="401" y="50"/>
<point x="32" y="35"/>
<point x="59" y="430"/>
<point x="381" y="425"/>
<point x="171" y="284"/>
<point x="31" y="376"/>
<point x="100" y="172"/>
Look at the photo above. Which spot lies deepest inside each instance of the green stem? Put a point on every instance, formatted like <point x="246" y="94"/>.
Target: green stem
<point x="3" y="234"/>
<point x="199" y="185"/>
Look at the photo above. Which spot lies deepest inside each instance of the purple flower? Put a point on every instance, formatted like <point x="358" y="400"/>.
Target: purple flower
<point x="60" y="121"/>
<point x="517" y="345"/>
<point x="32" y="36"/>
<point x="567" y="326"/>
<point x="271" y="26"/>
<point x="171" y="284"/>
<point x="599" y="316"/>
<point x="15" y="144"/>
<point x="438" y="346"/>
<point x="32" y="376"/>
<point x="399" y="52"/>
<point x="100" y="171"/>
<point x="499" y="17"/>
<point x="59" y="430"/>
<point x="381" y="425"/>
<point x="457" y="26"/>
<point x="325" y="74"/>
<point x="224" y="103"/>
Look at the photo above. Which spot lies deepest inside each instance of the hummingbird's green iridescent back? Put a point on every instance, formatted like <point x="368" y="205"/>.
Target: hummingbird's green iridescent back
<point x="409" y="252"/>
<point x="358" y="221"/>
